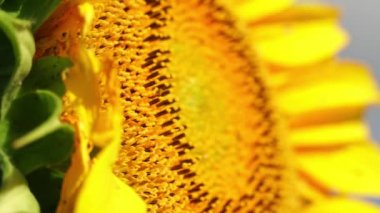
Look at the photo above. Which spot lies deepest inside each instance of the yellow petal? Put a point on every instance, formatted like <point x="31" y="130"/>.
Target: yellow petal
<point x="88" y="177"/>
<point x="82" y="99"/>
<point x="309" y="191"/>
<point x="327" y="135"/>
<point x="302" y="13"/>
<point x="298" y="40"/>
<point x="82" y="103"/>
<point x="253" y="10"/>
<point x="341" y="205"/>
<point x="351" y="170"/>
<point x="87" y="12"/>
<point x="101" y="127"/>
<point x="104" y="192"/>
<point x="326" y="91"/>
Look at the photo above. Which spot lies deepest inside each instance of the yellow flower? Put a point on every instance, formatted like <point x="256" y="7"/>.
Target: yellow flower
<point x="204" y="125"/>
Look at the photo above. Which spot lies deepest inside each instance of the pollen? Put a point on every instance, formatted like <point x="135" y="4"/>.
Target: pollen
<point x="199" y="134"/>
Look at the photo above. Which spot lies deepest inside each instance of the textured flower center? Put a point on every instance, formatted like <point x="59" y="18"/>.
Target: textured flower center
<point x="199" y="135"/>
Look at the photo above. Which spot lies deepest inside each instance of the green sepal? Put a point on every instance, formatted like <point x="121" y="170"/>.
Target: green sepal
<point x="32" y="116"/>
<point x="46" y="74"/>
<point x="11" y="6"/>
<point x="15" y="195"/>
<point x="36" y="137"/>
<point x="19" y="49"/>
<point x="43" y="179"/>
<point x="51" y="150"/>
<point x="36" y="11"/>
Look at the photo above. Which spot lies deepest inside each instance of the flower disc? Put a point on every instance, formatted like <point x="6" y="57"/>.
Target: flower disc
<point x="199" y="133"/>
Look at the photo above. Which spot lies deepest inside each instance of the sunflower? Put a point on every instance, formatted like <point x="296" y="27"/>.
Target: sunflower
<point x="211" y="106"/>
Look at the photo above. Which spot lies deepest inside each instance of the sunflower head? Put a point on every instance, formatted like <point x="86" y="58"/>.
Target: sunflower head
<point x="199" y="129"/>
<point x="199" y="132"/>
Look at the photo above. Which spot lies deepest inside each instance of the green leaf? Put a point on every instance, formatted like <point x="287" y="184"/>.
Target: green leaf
<point x="36" y="11"/>
<point x="3" y="132"/>
<point x="46" y="185"/>
<point x="7" y="61"/>
<point x="15" y="33"/>
<point x="36" y="137"/>
<point x="49" y="151"/>
<point x="47" y="74"/>
<point x="15" y="195"/>
<point x="11" y="6"/>
<point x="33" y="116"/>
